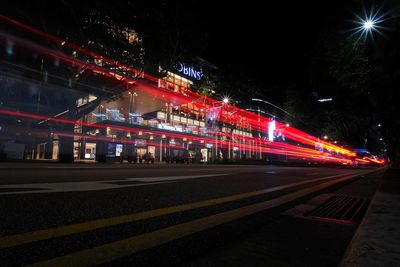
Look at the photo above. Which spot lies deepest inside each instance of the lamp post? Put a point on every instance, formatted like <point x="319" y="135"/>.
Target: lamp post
<point x="273" y="105"/>
<point x="230" y="146"/>
<point x="225" y="101"/>
<point x="259" y="111"/>
<point x="259" y="133"/>
<point x="131" y="106"/>
<point x="132" y="101"/>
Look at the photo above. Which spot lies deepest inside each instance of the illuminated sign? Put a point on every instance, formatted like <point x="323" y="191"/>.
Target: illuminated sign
<point x="325" y="100"/>
<point x="189" y="71"/>
<point x="111" y="149"/>
<point x="140" y="142"/>
<point x="271" y="129"/>
<point x="174" y="143"/>
<point x="168" y="127"/>
<point x="118" y="150"/>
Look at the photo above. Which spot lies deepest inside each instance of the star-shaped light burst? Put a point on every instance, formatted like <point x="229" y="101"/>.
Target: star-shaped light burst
<point x="368" y="24"/>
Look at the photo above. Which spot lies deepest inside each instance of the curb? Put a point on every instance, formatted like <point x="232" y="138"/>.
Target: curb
<point x="377" y="239"/>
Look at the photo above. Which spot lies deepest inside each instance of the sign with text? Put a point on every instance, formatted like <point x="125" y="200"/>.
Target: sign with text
<point x="189" y="71"/>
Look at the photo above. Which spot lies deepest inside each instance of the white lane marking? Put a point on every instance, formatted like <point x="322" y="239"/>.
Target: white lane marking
<point x="169" y="178"/>
<point x="221" y="169"/>
<point x="94" y="185"/>
<point x="71" y="188"/>
<point x="73" y="167"/>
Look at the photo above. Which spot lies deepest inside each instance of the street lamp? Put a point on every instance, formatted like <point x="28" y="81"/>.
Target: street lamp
<point x="225" y="100"/>
<point x="269" y="103"/>
<point x="325" y="137"/>
<point x="271" y="126"/>
<point x="260" y="111"/>
<point x="132" y="101"/>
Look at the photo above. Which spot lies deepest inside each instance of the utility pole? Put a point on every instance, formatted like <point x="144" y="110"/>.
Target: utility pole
<point x="259" y="133"/>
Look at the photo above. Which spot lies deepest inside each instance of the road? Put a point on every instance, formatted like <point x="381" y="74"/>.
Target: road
<point x="125" y="214"/>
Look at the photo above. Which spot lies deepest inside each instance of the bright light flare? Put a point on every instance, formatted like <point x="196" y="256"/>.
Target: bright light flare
<point x="368" y="23"/>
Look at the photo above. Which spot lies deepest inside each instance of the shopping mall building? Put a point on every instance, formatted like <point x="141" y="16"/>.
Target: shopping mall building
<point x="158" y="119"/>
<point x="62" y="102"/>
<point x="56" y="104"/>
<point x="150" y="121"/>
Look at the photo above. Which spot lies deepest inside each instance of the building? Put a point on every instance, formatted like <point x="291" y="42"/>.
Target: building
<point x="55" y="104"/>
<point x="164" y="120"/>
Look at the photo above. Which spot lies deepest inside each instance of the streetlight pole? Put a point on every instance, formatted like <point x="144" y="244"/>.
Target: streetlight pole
<point x="259" y="111"/>
<point x="259" y="133"/>
<point x="130" y="103"/>
<point x="273" y="105"/>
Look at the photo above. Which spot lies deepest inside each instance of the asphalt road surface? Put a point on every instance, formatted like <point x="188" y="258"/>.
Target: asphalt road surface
<point x="169" y="215"/>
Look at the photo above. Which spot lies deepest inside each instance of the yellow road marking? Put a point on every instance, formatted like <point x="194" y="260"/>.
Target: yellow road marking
<point x="122" y="248"/>
<point x="19" y="239"/>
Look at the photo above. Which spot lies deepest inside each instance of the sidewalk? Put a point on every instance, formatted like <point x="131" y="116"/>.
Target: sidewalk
<point x="377" y="239"/>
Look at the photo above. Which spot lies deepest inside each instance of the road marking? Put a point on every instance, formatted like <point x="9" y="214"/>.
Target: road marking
<point x="233" y="168"/>
<point x="66" y="187"/>
<point x="174" y="178"/>
<point x="122" y="248"/>
<point x="73" y="167"/>
<point x="19" y="239"/>
<point x="40" y="188"/>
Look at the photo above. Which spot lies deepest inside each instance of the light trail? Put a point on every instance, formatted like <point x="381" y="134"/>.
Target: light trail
<point x="267" y="147"/>
<point x="256" y="121"/>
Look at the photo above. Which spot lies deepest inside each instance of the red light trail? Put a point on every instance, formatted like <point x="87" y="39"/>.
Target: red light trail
<point x="267" y="147"/>
<point x="227" y="113"/>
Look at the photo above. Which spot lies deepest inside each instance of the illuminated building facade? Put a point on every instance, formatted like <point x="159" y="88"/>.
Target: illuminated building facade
<point x="56" y="104"/>
<point x="162" y="126"/>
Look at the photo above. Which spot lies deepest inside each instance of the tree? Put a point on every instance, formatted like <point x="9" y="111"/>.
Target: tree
<point x="207" y="86"/>
<point x="367" y="72"/>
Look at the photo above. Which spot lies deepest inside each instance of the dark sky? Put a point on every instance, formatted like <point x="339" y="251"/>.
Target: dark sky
<point x="272" y="42"/>
<point x="270" y="46"/>
<point x="276" y="39"/>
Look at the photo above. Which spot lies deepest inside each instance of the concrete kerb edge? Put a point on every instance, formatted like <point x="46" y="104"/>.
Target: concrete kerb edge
<point x="363" y="249"/>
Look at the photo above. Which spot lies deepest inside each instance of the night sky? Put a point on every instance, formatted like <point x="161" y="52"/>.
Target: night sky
<point x="267" y="47"/>
<point x="277" y="39"/>
<point x="270" y="49"/>
<point x="272" y="42"/>
<point x="274" y="46"/>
